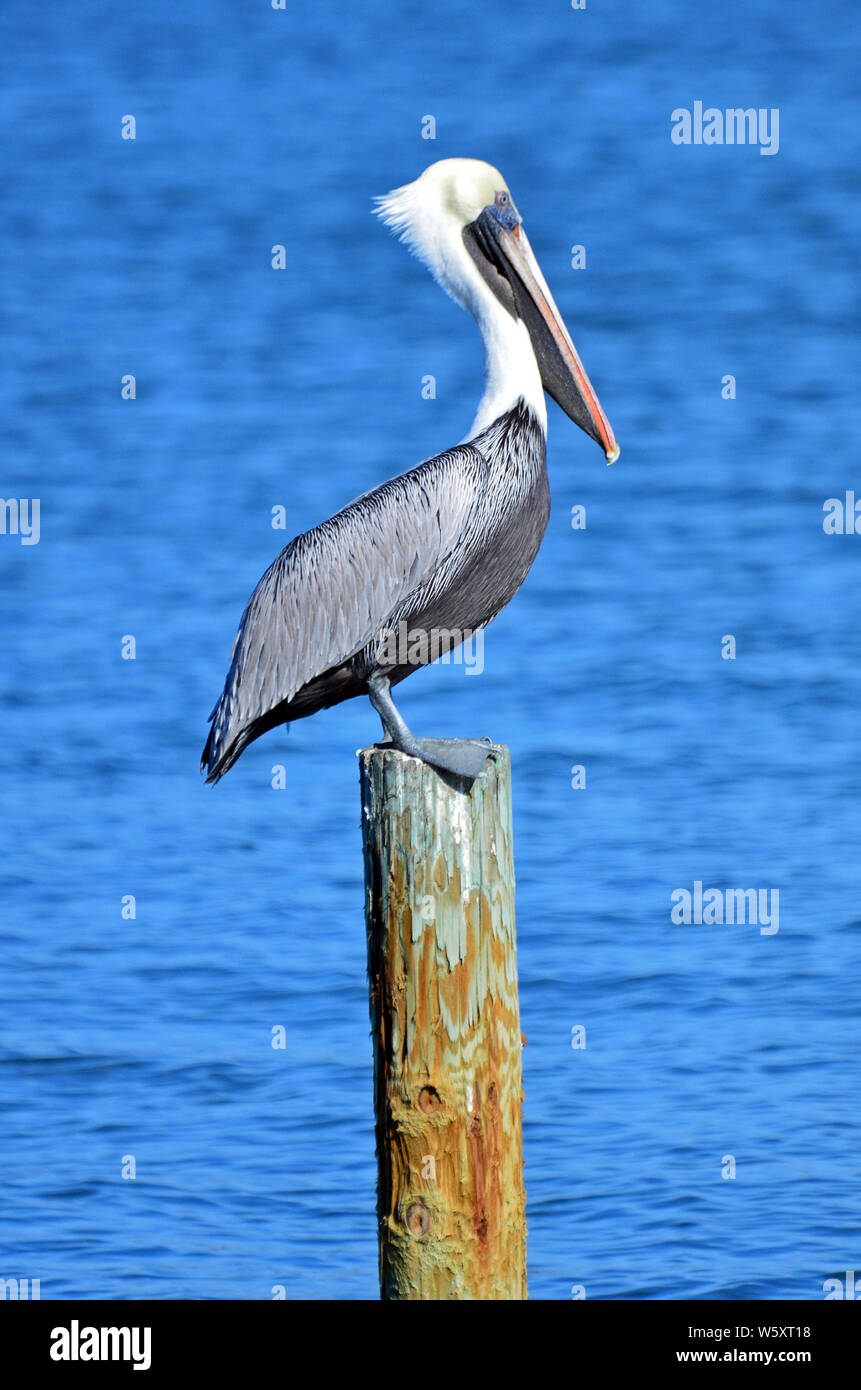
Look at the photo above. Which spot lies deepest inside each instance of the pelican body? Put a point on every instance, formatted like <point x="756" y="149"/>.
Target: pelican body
<point x="445" y="546"/>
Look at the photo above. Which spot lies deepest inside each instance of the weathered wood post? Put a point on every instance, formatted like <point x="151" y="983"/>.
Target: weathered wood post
<point x="439" y="880"/>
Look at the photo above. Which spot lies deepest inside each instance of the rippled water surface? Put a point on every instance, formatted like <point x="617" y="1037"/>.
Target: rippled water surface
<point x="301" y="388"/>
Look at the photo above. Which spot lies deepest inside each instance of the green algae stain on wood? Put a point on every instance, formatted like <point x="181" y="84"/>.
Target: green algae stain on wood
<point x="439" y="881"/>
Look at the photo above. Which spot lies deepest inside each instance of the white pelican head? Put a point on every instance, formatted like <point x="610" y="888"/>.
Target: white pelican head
<point x="460" y="219"/>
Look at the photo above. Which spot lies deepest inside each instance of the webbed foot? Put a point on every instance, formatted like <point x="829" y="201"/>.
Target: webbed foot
<point x="465" y="757"/>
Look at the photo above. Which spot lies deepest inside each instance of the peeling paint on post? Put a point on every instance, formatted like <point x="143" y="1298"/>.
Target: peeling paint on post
<point x="439" y="882"/>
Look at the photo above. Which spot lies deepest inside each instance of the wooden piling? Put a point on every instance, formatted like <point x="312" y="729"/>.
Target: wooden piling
<point x="442" y="966"/>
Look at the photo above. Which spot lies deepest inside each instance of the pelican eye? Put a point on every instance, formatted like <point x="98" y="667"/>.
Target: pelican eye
<point x="504" y="210"/>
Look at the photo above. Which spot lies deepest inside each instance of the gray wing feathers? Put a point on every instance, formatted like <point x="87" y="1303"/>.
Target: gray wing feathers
<point x="332" y="588"/>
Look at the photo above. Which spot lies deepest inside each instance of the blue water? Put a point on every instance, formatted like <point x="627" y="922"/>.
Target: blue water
<point x="255" y="388"/>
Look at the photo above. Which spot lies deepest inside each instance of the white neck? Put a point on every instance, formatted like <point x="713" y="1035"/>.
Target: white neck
<point x="510" y="367"/>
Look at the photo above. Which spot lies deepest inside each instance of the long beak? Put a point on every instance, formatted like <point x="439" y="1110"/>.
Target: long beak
<point x="562" y="373"/>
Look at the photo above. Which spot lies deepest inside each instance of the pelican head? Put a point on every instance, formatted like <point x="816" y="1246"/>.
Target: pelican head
<point x="460" y="219"/>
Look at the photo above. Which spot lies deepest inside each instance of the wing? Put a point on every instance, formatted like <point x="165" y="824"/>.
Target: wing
<point x="321" y="601"/>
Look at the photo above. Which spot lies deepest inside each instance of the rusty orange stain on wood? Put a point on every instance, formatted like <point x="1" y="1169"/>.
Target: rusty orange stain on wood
<point x="442" y="966"/>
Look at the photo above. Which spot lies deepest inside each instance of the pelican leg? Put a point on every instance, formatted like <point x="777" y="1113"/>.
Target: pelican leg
<point x="465" y="757"/>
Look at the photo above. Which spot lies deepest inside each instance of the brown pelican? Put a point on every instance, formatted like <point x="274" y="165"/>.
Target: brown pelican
<point x="444" y="546"/>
